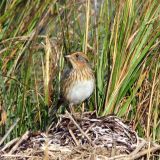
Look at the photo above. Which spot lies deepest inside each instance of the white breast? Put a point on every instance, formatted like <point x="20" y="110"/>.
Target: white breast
<point x="80" y="91"/>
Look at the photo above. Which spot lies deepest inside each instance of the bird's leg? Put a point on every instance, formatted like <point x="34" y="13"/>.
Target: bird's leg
<point x="71" y="108"/>
<point x="73" y="112"/>
<point x="82" y="110"/>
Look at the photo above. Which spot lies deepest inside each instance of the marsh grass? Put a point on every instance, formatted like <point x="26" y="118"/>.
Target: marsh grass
<point x="121" y="38"/>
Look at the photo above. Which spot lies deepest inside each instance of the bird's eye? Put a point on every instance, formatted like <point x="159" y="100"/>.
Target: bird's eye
<point x="77" y="56"/>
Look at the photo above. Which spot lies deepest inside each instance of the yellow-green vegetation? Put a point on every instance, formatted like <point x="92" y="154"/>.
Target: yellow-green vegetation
<point x="121" y="38"/>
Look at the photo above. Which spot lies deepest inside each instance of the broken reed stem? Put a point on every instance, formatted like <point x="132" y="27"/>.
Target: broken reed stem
<point x="9" y="131"/>
<point x="80" y="129"/>
<point x="24" y="137"/>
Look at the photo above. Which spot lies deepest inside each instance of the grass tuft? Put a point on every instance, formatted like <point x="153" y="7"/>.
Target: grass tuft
<point x="121" y="38"/>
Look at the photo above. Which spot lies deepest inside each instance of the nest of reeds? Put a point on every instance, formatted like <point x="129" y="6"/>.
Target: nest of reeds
<point x="85" y="137"/>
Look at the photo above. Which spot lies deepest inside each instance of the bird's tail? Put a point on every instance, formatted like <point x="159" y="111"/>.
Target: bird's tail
<point x="54" y="109"/>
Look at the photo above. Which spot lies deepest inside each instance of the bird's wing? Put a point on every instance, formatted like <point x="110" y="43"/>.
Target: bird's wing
<point x="65" y="74"/>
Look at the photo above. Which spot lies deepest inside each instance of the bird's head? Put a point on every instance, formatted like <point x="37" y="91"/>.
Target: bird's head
<point x="78" y="60"/>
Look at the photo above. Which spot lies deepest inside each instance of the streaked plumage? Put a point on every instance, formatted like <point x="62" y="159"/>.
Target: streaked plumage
<point x="78" y="83"/>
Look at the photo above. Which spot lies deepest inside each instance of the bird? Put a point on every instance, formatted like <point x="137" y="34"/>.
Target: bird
<point x="77" y="83"/>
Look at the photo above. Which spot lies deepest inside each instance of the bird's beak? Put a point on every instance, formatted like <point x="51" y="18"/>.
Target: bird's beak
<point x="68" y="56"/>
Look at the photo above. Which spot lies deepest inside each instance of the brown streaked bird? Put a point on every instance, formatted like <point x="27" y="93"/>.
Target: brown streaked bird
<point x="78" y="83"/>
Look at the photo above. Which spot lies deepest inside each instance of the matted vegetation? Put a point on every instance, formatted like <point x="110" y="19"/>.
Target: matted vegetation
<point x="121" y="38"/>
<point x="105" y="138"/>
